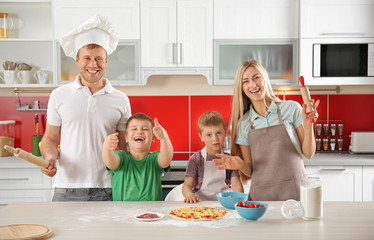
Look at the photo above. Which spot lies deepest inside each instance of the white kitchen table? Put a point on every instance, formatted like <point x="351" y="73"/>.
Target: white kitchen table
<point x="116" y="220"/>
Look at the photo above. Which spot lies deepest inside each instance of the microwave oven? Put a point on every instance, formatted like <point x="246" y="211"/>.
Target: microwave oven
<point x="337" y="61"/>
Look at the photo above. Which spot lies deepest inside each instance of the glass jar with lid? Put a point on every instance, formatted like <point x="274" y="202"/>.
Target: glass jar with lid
<point x="5" y="24"/>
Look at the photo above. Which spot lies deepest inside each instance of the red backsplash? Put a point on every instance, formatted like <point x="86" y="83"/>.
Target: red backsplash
<point x="179" y="115"/>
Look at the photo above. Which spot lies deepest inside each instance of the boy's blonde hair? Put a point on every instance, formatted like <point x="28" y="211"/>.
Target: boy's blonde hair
<point x="140" y="116"/>
<point x="211" y="118"/>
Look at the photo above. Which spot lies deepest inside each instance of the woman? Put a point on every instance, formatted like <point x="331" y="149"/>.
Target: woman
<point x="268" y="136"/>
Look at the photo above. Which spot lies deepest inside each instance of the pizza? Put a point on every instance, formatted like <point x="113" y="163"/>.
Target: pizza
<point x="198" y="213"/>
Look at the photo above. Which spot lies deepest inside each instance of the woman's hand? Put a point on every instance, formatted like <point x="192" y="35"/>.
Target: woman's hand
<point x="228" y="162"/>
<point x="312" y="116"/>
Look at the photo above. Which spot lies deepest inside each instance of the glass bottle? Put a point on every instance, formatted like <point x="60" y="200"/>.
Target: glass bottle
<point x="5" y="24"/>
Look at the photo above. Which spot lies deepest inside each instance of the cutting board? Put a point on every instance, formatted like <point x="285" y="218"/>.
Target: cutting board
<point x="25" y="231"/>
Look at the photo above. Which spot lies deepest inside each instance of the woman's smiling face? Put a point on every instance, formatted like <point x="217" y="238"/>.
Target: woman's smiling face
<point x="253" y="84"/>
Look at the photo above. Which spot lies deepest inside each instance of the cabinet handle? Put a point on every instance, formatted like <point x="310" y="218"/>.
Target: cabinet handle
<point x="175" y="53"/>
<point x="332" y="169"/>
<point x="344" y="33"/>
<point x="180" y="53"/>
<point x="16" y="179"/>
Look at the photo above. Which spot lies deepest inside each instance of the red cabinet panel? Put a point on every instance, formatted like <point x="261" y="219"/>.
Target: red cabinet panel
<point x="172" y="114"/>
<point x="202" y="104"/>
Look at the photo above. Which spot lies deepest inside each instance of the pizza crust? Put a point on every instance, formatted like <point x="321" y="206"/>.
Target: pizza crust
<point x="198" y="213"/>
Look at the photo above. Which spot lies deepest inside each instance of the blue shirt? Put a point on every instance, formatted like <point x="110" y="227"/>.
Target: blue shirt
<point x="291" y="113"/>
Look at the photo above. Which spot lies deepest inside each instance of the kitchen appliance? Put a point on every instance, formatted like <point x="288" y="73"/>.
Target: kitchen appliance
<point x="343" y="61"/>
<point x="362" y="142"/>
<point x="172" y="179"/>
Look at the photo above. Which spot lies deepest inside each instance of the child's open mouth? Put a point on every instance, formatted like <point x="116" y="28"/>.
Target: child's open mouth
<point x="138" y="139"/>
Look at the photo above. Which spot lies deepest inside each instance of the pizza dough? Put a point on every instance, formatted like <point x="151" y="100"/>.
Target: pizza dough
<point x="198" y="213"/>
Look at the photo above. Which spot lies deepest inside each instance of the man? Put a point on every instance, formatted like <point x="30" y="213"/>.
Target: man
<point x="82" y="114"/>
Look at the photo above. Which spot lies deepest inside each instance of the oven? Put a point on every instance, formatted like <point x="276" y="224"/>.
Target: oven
<point x="171" y="179"/>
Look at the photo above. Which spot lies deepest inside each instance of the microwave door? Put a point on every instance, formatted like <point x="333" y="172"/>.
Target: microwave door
<point x="316" y="60"/>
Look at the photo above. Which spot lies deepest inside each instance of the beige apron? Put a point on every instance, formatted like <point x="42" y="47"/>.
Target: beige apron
<point x="276" y="164"/>
<point x="213" y="181"/>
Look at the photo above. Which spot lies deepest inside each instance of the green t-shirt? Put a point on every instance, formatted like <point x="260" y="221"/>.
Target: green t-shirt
<point x="137" y="180"/>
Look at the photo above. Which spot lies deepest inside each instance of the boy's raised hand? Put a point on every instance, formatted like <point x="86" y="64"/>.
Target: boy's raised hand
<point x="158" y="130"/>
<point x="111" y="142"/>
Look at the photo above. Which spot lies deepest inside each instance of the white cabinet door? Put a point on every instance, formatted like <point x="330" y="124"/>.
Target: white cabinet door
<point x="241" y="19"/>
<point x="158" y="33"/>
<point x="336" y="18"/>
<point x="340" y="183"/>
<point x="68" y="14"/>
<point x="176" y="33"/>
<point x="195" y="33"/>
<point x="10" y="196"/>
<point x="368" y="183"/>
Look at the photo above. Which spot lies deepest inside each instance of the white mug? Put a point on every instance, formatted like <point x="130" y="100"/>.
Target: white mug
<point x="8" y="76"/>
<point x="24" y="76"/>
<point x="41" y="76"/>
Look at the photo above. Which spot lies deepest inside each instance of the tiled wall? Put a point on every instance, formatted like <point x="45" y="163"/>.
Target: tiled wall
<point x="179" y="115"/>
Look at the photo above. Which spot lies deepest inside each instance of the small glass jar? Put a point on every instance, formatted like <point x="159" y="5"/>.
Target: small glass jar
<point x="340" y="129"/>
<point x="318" y="144"/>
<point x="333" y="129"/>
<point x="325" y="142"/>
<point x="318" y="129"/>
<point x="340" y="144"/>
<point x="325" y="129"/>
<point x="332" y="144"/>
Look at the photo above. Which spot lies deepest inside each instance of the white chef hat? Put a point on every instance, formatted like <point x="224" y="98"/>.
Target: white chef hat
<point x="97" y="30"/>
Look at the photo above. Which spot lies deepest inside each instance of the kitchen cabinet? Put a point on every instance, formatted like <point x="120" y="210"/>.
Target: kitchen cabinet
<point x="123" y="14"/>
<point x="277" y="56"/>
<point x="243" y="19"/>
<point x="336" y="18"/>
<point x="176" y="38"/>
<point x="340" y="183"/>
<point x="176" y="33"/>
<point x="368" y="183"/>
<point x="30" y="39"/>
<point x="21" y="181"/>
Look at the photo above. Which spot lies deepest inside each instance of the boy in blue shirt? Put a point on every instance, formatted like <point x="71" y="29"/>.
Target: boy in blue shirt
<point x="137" y="172"/>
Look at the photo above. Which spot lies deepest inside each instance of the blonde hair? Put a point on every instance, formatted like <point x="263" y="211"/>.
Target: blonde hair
<point x="211" y="118"/>
<point x="140" y="116"/>
<point x="241" y="103"/>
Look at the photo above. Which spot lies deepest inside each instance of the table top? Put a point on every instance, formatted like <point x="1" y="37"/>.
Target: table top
<point x="116" y="220"/>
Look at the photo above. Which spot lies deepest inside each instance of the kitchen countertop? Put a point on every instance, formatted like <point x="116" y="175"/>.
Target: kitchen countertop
<point x="116" y="220"/>
<point x="320" y="159"/>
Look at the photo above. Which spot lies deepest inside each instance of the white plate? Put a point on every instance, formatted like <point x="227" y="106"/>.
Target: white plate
<point x="160" y="215"/>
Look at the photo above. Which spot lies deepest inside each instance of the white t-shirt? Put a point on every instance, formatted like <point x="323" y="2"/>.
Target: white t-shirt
<point x="85" y="120"/>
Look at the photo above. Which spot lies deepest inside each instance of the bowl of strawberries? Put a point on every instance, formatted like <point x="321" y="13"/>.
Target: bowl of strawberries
<point x="251" y="210"/>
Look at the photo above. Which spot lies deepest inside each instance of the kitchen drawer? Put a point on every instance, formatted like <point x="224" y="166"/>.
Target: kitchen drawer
<point x="9" y="196"/>
<point x="24" y="178"/>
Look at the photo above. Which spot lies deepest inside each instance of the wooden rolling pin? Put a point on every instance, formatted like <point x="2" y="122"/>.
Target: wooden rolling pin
<point x="27" y="156"/>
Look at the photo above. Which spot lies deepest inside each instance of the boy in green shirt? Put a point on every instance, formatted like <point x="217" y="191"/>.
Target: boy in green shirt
<point x="137" y="173"/>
